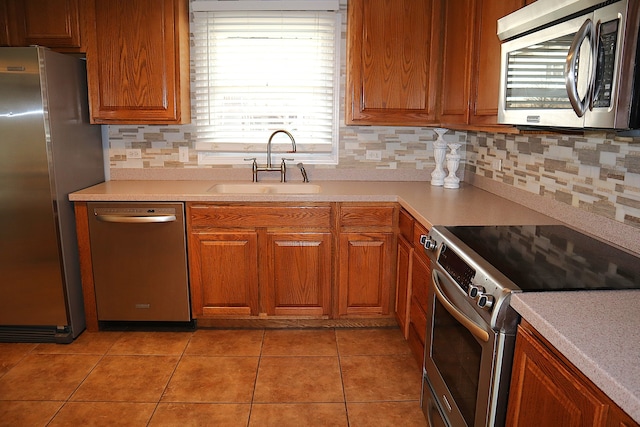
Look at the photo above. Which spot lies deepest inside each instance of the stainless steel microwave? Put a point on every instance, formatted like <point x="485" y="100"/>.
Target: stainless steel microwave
<point x="571" y="63"/>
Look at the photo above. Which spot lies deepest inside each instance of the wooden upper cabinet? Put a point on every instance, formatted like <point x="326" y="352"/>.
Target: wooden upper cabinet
<point x="138" y="62"/>
<point x="56" y="24"/>
<point x="485" y="74"/>
<point x="392" y="59"/>
<point x="4" y="23"/>
<point x="457" y="23"/>
<point x="471" y="61"/>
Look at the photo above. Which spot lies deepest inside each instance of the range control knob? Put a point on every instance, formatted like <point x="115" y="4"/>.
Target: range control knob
<point x="485" y="301"/>
<point x="428" y="243"/>
<point x="475" y="290"/>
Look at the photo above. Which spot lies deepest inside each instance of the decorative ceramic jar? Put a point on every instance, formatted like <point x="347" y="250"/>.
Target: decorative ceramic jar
<point x="439" y="152"/>
<point x="453" y="162"/>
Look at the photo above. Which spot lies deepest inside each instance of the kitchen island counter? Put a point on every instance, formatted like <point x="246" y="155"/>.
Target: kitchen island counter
<point x="597" y="331"/>
<point x="430" y="205"/>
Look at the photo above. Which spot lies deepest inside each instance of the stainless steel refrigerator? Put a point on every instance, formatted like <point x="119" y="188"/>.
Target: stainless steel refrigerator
<point x="47" y="150"/>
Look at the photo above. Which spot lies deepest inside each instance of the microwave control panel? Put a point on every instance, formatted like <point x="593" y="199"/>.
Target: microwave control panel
<point x="607" y="42"/>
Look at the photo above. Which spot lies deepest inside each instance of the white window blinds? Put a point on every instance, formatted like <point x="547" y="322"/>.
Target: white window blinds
<point x="257" y="71"/>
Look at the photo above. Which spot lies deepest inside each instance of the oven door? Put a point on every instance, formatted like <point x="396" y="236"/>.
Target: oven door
<point x="462" y="356"/>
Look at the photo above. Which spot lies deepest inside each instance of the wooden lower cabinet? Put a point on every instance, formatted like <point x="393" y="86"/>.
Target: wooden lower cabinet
<point x="224" y="273"/>
<point x="420" y="282"/>
<point x="548" y="390"/>
<point x="366" y="259"/>
<point x="260" y="260"/>
<point x="298" y="276"/>
<point x="365" y="273"/>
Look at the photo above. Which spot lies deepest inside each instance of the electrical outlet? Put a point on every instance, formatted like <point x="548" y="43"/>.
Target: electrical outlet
<point x="183" y="154"/>
<point x="373" y="155"/>
<point x="496" y="165"/>
<point x="134" y="153"/>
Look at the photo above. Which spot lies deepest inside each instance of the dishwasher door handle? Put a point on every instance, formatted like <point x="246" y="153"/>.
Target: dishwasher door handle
<point x="136" y="219"/>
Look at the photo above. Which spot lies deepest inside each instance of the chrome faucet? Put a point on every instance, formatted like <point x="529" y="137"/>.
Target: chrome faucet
<point x="269" y="167"/>
<point x="293" y="144"/>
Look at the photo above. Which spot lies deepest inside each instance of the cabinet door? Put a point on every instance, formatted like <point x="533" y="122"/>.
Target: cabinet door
<point x="298" y="274"/>
<point x="403" y="284"/>
<point x="458" y="17"/>
<point x="545" y="392"/>
<point x="224" y="274"/>
<point x="50" y="23"/>
<point x="391" y="62"/>
<point x="4" y="23"/>
<point x="138" y="62"/>
<point x="485" y="75"/>
<point x="365" y="273"/>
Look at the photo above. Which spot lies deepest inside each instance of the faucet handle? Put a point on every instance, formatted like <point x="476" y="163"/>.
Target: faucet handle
<point x="254" y="168"/>
<point x="283" y="169"/>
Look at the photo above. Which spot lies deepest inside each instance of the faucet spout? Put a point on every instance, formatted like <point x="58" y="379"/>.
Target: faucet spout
<point x="293" y="144"/>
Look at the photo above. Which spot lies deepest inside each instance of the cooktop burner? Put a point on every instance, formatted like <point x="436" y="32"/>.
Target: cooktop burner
<point x="551" y="257"/>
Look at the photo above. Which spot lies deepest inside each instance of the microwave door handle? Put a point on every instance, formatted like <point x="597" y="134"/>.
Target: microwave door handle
<point x="579" y="105"/>
<point x="471" y="326"/>
<point x="595" y="52"/>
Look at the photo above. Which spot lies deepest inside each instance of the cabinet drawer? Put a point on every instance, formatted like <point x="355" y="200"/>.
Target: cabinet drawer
<point x="405" y="224"/>
<point x="367" y="216"/>
<point x="421" y="280"/>
<point x="212" y="216"/>
<point x="418" y="320"/>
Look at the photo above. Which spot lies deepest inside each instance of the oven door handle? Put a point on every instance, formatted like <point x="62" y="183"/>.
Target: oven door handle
<point x="471" y="326"/>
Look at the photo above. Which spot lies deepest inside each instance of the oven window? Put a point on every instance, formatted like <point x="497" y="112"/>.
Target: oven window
<point x="457" y="355"/>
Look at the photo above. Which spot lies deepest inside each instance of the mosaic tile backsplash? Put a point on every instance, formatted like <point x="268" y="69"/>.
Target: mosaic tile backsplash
<point x="598" y="173"/>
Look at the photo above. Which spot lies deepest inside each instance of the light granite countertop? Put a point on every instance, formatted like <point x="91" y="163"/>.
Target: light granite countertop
<point x="430" y="205"/>
<point x="598" y="331"/>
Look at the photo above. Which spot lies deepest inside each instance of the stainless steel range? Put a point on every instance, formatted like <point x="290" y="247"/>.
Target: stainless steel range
<point x="471" y="327"/>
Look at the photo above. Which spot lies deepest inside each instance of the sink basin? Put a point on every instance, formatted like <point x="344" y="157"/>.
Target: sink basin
<point x="265" y="188"/>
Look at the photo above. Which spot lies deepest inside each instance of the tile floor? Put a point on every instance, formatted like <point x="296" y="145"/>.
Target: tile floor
<point x="274" y="377"/>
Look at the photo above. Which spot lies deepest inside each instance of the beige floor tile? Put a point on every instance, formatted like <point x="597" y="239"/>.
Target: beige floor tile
<point x="46" y="376"/>
<point x="86" y="343"/>
<point x="127" y="379"/>
<point x="27" y="413"/>
<point x="380" y="378"/>
<point x="213" y="379"/>
<point x="371" y="341"/>
<point x="100" y="414"/>
<point x="151" y="343"/>
<point x="386" y="414"/>
<point x="299" y="342"/>
<point x="298" y="414"/>
<point x="12" y="353"/>
<point x="299" y="379"/>
<point x="201" y="414"/>
<point x="228" y="342"/>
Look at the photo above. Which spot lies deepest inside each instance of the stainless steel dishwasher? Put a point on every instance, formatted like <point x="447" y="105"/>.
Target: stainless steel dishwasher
<point x="138" y="252"/>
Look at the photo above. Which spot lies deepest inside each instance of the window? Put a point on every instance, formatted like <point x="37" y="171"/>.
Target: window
<point x="257" y="71"/>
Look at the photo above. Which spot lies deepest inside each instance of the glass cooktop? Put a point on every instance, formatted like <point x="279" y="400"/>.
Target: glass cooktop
<point x="552" y="257"/>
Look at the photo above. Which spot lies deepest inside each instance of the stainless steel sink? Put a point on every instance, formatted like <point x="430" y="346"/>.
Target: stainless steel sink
<point x="265" y="188"/>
